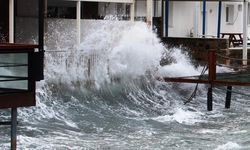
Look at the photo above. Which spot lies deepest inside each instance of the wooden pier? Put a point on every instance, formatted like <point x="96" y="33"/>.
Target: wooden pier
<point x="213" y="78"/>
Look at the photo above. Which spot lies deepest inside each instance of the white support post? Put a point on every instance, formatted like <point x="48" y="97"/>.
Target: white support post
<point x="196" y="20"/>
<point x="78" y="22"/>
<point x="149" y="12"/>
<point x="244" y="53"/>
<point x="132" y="11"/>
<point x="11" y="21"/>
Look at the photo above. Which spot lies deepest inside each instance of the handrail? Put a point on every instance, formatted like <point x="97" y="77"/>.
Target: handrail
<point x="231" y="58"/>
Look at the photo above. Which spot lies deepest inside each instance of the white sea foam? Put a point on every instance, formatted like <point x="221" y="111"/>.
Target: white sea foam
<point x="211" y="131"/>
<point x="108" y="48"/>
<point x="229" y="146"/>
<point x="180" y="65"/>
<point x="182" y="116"/>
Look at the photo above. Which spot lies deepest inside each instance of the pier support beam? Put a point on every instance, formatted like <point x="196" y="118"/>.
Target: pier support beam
<point x="210" y="98"/>
<point x="211" y="78"/>
<point x="13" y="128"/>
<point x="228" y="97"/>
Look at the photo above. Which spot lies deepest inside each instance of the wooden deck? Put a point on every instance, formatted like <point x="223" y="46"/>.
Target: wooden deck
<point x="212" y="79"/>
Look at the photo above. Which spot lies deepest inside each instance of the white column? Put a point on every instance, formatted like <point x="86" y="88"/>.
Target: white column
<point x="11" y="21"/>
<point x="244" y="53"/>
<point x="132" y="11"/>
<point x="196" y="20"/>
<point x="149" y="12"/>
<point x="78" y="21"/>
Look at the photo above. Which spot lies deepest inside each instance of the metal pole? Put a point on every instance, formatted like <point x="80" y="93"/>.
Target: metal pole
<point x="219" y="19"/>
<point x="13" y="128"/>
<point x="78" y="19"/>
<point x="40" y="54"/>
<point x="162" y="18"/>
<point x="41" y="25"/>
<point x="166" y="17"/>
<point x="244" y="53"/>
<point x="204" y="19"/>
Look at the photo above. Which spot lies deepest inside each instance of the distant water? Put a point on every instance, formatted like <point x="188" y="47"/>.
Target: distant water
<point x="119" y="104"/>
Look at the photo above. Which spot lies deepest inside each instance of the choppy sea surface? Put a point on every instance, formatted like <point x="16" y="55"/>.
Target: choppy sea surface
<point x="104" y="94"/>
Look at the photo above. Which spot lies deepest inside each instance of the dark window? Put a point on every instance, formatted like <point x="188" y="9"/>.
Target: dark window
<point x="227" y="14"/>
<point x="4" y="21"/>
<point x="89" y="10"/>
<point x="62" y="12"/>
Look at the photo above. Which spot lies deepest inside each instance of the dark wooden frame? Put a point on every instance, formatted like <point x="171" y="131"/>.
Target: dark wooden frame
<point x="20" y="98"/>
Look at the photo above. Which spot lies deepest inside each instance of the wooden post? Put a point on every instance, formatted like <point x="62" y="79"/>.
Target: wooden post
<point x="211" y="66"/>
<point x="210" y="98"/>
<point x="211" y="78"/>
<point x="13" y="128"/>
<point x="228" y="97"/>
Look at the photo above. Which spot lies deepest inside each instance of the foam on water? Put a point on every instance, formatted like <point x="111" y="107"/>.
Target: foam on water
<point x="229" y="146"/>
<point x="181" y="116"/>
<point x="180" y="66"/>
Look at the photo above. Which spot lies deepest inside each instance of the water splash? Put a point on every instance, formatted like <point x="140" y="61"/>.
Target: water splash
<point x="127" y="108"/>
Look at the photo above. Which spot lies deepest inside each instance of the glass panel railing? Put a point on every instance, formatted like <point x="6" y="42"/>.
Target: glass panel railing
<point x="14" y="71"/>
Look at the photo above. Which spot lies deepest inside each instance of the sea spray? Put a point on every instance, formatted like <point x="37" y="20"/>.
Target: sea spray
<point x="132" y="112"/>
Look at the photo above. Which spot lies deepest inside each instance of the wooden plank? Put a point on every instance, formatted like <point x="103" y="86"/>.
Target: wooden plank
<point x="216" y="82"/>
<point x="9" y="46"/>
<point x="17" y="100"/>
<point x="181" y="80"/>
<point x="197" y="44"/>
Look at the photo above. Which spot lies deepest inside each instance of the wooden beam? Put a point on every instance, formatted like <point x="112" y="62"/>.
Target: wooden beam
<point x="17" y="100"/>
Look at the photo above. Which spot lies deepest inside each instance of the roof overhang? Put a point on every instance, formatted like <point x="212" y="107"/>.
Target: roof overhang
<point x="212" y="0"/>
<point x="109" y="1"/>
